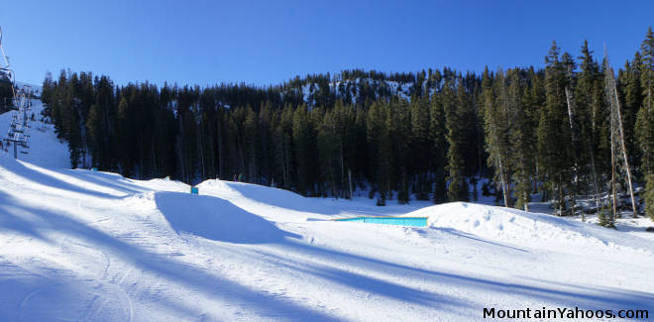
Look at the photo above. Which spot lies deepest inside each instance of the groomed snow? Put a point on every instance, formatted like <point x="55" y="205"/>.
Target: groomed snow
<point x="84" y="245"/>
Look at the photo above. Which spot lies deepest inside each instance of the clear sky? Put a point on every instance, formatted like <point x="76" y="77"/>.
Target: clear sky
<point x="268" y="42"/>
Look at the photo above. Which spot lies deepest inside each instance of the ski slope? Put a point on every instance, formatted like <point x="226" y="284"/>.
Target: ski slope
<point x="94" y="246"/>
<point x="83" y="245"/>
<point x="45" y="149"/>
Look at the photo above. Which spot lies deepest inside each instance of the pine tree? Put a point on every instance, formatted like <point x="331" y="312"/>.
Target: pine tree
<point x="283" y="139"/>
<point x="328" y="153"/>
<point x="265" y="143"/>
<point x="454" y="105"/>
<point x="94" y="129"/>
<point x="303" y="144"/>
<point x="645" y="119"/>
<point x="633" y="100"/>
<point x="592" y="114"/>
<point x="438" y="132"/>
<point x="554" y="132"/>
<point x="250" y="138"/>
<point x="569" y="66"/>
<point x="521" y="139"/>
<point x="421" y="145"/>
<point x="71" y="120"/>
<point x="534" y="101"/>
<point x="497" y="119"/>
<point x="380" y="150"/>
<point x="649" y="196"/>
<point x="344" y="140"/>
<point x="47" y="92"/>
<point x="398" y="125"/>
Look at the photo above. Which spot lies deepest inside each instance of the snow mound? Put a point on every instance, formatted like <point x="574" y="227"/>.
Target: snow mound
<point x="520" y="227"/>
<point x="216" y="219"/>
<point x="269" y="196"/>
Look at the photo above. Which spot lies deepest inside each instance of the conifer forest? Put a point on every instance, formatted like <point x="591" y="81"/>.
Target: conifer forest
<point x="576" y="129"/>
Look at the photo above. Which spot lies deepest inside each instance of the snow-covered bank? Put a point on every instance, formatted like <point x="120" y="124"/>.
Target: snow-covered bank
<point x="535" y="229"/>
<point x="83" y="245"/>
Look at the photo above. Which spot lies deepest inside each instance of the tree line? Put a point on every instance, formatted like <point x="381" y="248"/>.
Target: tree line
<point x="570" y="130"/>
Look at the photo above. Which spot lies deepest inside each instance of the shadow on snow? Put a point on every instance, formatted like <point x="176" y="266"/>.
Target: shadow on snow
<point x="216" y="219"/>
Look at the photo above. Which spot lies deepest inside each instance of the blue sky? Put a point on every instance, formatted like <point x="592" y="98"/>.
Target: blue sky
<point x="268" y="42"/>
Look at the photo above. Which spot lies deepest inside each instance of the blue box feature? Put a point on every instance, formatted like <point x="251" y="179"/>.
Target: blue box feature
<point x="94" y="169"/>
<point x="398" y="221"/>
<point x="194" y="190"/>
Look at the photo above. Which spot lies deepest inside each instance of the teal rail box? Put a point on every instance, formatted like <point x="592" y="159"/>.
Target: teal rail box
<point x="94" y="169"/>
<point x="398" y="221"/>
<point x="194" y="190"/>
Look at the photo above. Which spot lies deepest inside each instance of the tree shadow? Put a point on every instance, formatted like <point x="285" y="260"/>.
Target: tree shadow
<point x="168" y="268"/>
<point x="114" y="181"/>
<point x="25" y="223"/>
<point x="459" y="233"/>
<point x="32" y="175"/>
<point x="575" y="295"/>
<point x="628" y="228"/>
<point x="220" y="220"/>
<point x="369" y="284"/>
<point x="623" y="298"/>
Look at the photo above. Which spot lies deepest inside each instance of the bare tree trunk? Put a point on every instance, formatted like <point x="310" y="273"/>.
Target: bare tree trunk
<point x="179" y="142"/>
<point x="526" y="196"/>
<point x="141" y="157"/>
<point x="342" y="183"/>
<point x="616" y="117"/>
<point x="200" y="146"/>
<point x="155" y="167"/>
<point x="349" y="178"/>
<point x="594" y="174"/>
<point x="573" y="136"/>
<point x="503" y="182"/>
<point x="624" y="152"/>
<point x="537" y="188"/>
<point x="613" y="187"/>
<point x="180" y="157"/>
<point x="286" y="160"/>
<point x="219" y="138"/>
<point x="562" y="206"/>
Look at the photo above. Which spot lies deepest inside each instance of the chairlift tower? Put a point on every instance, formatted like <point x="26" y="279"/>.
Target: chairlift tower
<point x="6" y="73"/>
<point x="20" y="103"/>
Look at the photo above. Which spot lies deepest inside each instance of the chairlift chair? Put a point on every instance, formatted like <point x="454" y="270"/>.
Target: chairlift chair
<point x="9" y="103"/>
<point x="6" y="75"/>
<point x="14" y="99"/>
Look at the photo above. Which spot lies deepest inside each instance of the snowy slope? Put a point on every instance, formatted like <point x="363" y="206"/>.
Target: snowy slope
<point x="536" y="230"/>
<point x="309" y="90"/>
<point x="45" y="149"/>
<point x="36" y="89"/>
<point x="83" y="245"/>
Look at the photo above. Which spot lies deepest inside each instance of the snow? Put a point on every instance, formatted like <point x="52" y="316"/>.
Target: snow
<point x="36" y="89"/>
<point x="399" y="89"/>
<point x="45" y="149"/>
<point x="87" y="245"/>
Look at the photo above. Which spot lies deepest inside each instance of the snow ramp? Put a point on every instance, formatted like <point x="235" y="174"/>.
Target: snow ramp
<point x="524" y="228"/>
<point x="215" y="219"/>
